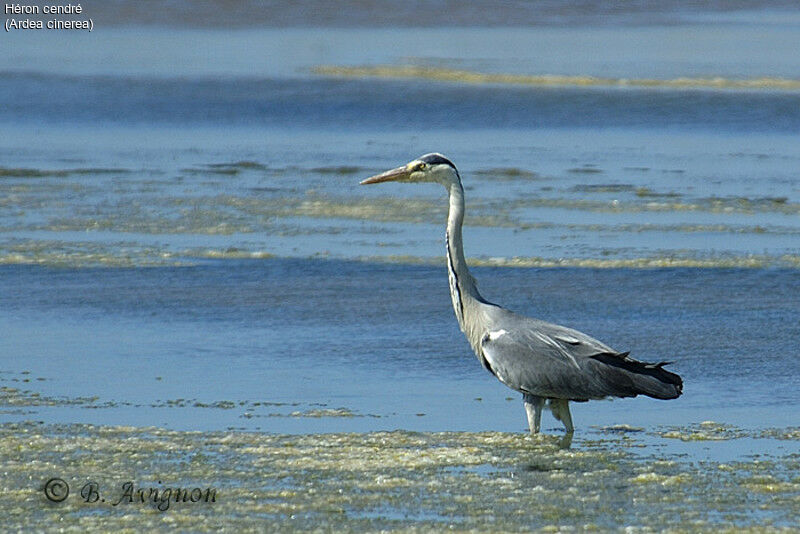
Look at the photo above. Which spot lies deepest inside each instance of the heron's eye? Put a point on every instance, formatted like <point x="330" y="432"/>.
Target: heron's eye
<point x="422" y="166"/>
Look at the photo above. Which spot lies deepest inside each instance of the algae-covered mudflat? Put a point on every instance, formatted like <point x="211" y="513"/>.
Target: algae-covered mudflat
<point x="134" y="479"/>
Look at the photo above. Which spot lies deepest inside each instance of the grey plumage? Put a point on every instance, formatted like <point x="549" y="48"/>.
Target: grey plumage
<point x="544" y="361"/>
<point x="572" y="365"/>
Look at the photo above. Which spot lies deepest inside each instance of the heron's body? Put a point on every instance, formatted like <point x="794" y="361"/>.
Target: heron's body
<point x="543" y="361"/>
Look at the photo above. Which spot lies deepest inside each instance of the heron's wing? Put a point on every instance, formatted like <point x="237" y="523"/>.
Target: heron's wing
<point x="554" y="361"/>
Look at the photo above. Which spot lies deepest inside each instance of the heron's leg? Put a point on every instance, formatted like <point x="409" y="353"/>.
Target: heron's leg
<point x="560" y="409"/>
<point x="533" y="407"/>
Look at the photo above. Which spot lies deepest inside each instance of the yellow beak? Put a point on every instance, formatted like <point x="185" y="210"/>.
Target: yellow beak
<point x="400" y="173"/>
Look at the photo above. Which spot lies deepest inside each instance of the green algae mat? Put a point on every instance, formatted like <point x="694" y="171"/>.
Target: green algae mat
<point x="78" y="478"/>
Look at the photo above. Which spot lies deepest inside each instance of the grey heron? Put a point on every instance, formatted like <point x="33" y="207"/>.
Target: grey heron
<point x="548" y="363"/>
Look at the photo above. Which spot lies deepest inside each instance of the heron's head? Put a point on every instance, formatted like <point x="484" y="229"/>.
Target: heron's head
<point x="428" y="168"/>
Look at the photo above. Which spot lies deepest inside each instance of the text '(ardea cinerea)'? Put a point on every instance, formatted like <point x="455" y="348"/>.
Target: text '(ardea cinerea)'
<point x="546" y="362"/>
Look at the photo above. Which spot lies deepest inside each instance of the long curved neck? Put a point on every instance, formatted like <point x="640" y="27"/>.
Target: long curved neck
<point x="463" y="289"/>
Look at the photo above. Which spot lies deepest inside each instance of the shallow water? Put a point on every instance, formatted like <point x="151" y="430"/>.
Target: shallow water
<point x="270" y="344"/>
<point x="698" y="197"/>
<point x="187" y="262"/>
<point x="250" y="143"/>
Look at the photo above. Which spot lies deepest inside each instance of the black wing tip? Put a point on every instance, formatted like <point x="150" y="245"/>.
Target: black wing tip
<point x="670" y="378"/>
<point x="654" y="370"/>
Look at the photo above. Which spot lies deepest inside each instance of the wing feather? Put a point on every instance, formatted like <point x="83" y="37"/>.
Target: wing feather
<point x="553" y="361"/>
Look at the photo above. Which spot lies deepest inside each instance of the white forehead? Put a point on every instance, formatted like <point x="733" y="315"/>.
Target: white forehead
<point x="434" y="158"/>
<point x="434" y="171"/>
